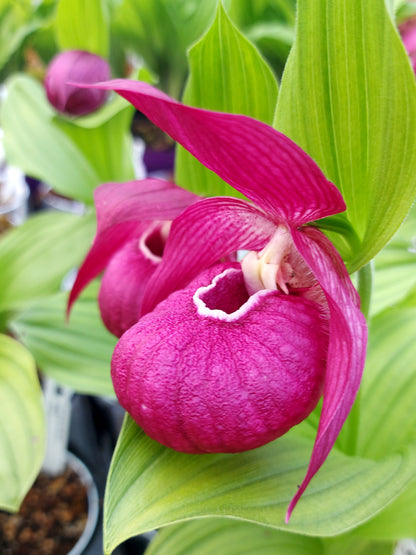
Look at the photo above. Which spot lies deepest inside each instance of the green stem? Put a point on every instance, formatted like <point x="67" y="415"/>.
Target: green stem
<point x="365" y="283"/>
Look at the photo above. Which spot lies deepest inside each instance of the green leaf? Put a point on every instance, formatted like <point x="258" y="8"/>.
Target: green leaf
<point x="36" y="145"/>
<point x="160" y="31"/>
<point x="348" y="97"/>
<point x="348" y="544"/>
<point x="273" y="39"/>
<point x="150" y="486"/>
<point x="220" y="535"/>
<point x="388" y="418"/>
<point x="35" y="257"/>
<point x="22" y="423"/>
<point x="16" y="23"/>
<point x="73" y="156"/>
<point x="209" y="535"/>
<point x="395" y="265"/>
<point x="76" y="353"/>
<point x="246" y="13"/>
<point x="108" y="145"/>
<point x="397" y="521"/>
<point x="83" y="25"/>
<point x="227" y="74"/>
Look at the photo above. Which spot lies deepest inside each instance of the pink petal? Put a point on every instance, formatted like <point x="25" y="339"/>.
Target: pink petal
<point x="123" y="286"/>
<point x="347" y="345"/>
<point x="124" y="211"/>
<point x="254" y="158"/>
<point x="202" y="235"/>
<point x="214" y="370"/>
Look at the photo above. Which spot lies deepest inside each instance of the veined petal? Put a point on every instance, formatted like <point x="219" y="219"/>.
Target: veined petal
<point x="263" y="164"/>
<point x="202" y="235"/>
<point x="124" y="211"/>
<point x="346" y="349"/>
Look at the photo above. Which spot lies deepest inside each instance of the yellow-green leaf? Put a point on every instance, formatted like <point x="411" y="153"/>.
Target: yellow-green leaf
<point x="22" y="427"/>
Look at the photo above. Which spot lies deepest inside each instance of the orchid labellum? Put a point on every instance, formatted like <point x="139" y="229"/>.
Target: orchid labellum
<point x="230" y="356"/>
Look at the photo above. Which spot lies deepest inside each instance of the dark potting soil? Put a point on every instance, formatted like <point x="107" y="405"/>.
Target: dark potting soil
<point x="51" y="519"/>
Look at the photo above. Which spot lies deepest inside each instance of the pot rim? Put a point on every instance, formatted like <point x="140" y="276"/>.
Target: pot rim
<point x="93" y="503"/>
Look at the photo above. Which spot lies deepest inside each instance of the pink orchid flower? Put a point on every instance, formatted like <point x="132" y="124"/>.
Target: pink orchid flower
<point x="133" y="221"/>
<point x="230" y="356"/>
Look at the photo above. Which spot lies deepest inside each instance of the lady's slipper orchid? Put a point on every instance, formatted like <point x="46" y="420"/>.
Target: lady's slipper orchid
<point x="81" y="66"/>
<point x="133" y="221"/>
<point x="239" y="353"/>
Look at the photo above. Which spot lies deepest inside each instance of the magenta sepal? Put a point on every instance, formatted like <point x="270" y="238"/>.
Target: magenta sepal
<point x="260" y="162"/>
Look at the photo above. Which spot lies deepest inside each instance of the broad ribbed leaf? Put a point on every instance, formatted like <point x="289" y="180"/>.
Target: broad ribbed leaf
<point x="108" y="146"/>
<point x="348" y="97"/>
<point x="207" y="536"/>
<point x="22" y="423"/>
<point x="72" y="159"/>
<point x="388" y="420"/>
<point x="395" y="266"/>
<point x="16" y="23"/>
<point x="76" y="353"/>
<point x="150" y="486"/>
<point x="348" y="544"/>
<point x="227" y="74"/>
<point x="34" y="144"/>
<point x="35" y="257"/>
<point x="160" y="31"/>
<point x="221" y="535"/>
<point x="83" y="26"/>
<point x="398" y="520"/>
<point x="388" y="416"/>
<point x="269" y="24"/>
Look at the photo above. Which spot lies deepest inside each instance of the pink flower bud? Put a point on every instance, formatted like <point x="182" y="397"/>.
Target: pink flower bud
<point x="80" y="67"/>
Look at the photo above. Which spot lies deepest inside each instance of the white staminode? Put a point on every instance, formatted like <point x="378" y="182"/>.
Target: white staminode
<point x="216" y="313"/>
<point x="270" y="268"/>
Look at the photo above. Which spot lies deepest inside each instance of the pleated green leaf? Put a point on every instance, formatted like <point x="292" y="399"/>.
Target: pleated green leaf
<point x="83" y="26"/>
<point x="34" y="144"/>
<point x="348" y="97"/>
<point x="395" y="267"/>
<point x="76" y="353"/>
<point x="17" y="21"/>
<point x="160" y="31"/>
<point x="398" y="520"/>
<point x="22" y="423"/>
<point x="227" y="74"/>
<point x="150" y="486"/>
<point x="35" y="257"/>
<point x="388" y="416"/>
<point x="107" y="146"/>
<point x="348" y="544"/>
<point x="230" y="537"/>
<point x="73" y="158"/>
